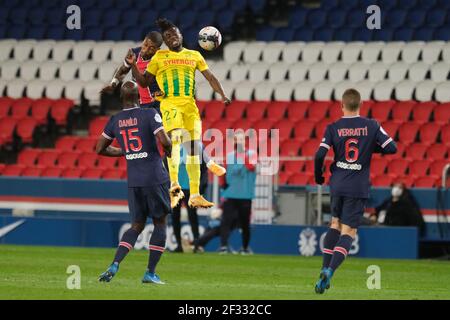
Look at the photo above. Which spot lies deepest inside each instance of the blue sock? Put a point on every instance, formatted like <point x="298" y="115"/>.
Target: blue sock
<point x="331" y="238"/>
<point x="157" y="246"/>
<point x="340" y="251"/>
<point x="126" y="244"/>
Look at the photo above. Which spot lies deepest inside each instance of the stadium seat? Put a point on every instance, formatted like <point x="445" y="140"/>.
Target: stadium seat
<point x="25" y="129"/>
<point x="35" y="171"/>
<point x="416" y="151"/>
<point x="442" y="114"/>
<point x="68" y="159"/>
<point x="437" y="151"/>
<point x="107" y="162"/>
<point x="297" y="110"/>
<point x="52" y="172"/>
<point x="86" y="144"/>
<point x="290" y="148"/>
<point x="213" y="111"/>
<point x="318" y="110"/>
<point x="320" y="128"/>
<point x="378" y="166"/>
<point x="299" y="178"/>
<point x="285" y="127"/>
<point x="422" y="112"/>
<point x="13" y="170"/>
<point x="437" y="166"/>
<point x="419" y="167"/>
<point x="401" y="147"/>
<point x="425" y="182"/>
<point x="257" y="109"/>
<point x="66" y="143"/>
<point x="7" y="127"/>
<point x="429" y="133"/>
<point x="382" y="109"/>
<point x="115" y="174"/>
<point x="404" y="90"/>
<point x="408" y="132"/>
<point x="276" y="110"/>
<point x="293" y="166"/>
<point x="48" y="157"/>
<point x="235" y="111"/>
<point x="97" y="125"/>
<point x="303" y="130"/>
<point x="398" y="166"/>
<point x="425" y="90"/>
<point x="391" y="128"/>
<point x="310" y="147"/>
<point x="40" y="109"/>
<point x="28" y="157"/>
<point x="60" y="110"/>
<point x="87" y="160"/>
<point x="92" y="173"/>
<point x="382" y="181"/>
<point x="244" y="124"/>
<point x="401" y="111"/>
<point x="72" y="173"/>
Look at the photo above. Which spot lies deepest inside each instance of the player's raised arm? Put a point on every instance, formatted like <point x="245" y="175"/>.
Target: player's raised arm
<point x="143" y="79"/>
<point x="104" y="148"/>
<point x="215" y="84"/>
<point x="384" y="143"/>
<point x="118" y="76"/>
<point x="319" y="158"/>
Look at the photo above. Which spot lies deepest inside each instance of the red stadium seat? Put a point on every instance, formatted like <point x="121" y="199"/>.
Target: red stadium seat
<point x="263" y="124"/>
<point x="2" y="167"/>
<point x="297" y="110"/>
<point x="276" y="110"/>
<point x="66" y="143"/>
<point x="335" y="111"/>
<point x="320" y="128"/>
<point x="28" y="157"/>
<point x="7" y="127"/>
<point x="309" y="148"/>
<point x="235" y="110"/>
<point x="299" y="179"/>
<point x="416" y="151"/>
<point x="52" y="172"/>
<point x="60" y="109"/>
<point x="5" y="106"/>
<point x="283" y="178"/>
<point x="243" y="124"/>
<point x="40" y="109"/>
<point x="318" y="110"/>
<point x="214" y="110"/>
<point x="425" y="182"/>
<point x="437" y="166"/>
<point x="437" y="151"/>
<point x="201" y="106"/>
<point x="290" y="148"/>
<point x="378" y="166"/>
<point x="422" y="112"/>
<point x="382" y="181"/>
<point x="86" y="144"/>
<point x="116" y="174"/>
<point x="107" y="162"/>
<point x="20" y="108"/>
<point x="303" y="130"/>
<point x="401" y="111"/>
<point x="97" y="125"/>
<point x="442" y="113"/>
<point x="72" y="173"/>
<point x="407" y="180"/>
<point x="13" y="170"/>
<point x="285" y="127"/>
<point x="122" y="163"/>
<point x="366" y="108"/>
<point x="256" y="110"/>
<point x="309" y="167"/>
<point x="25" y="129"/>
<point x="429" y="132"/>
<point x="401" y="147"/>
<point x="398" y="166"/>
<point x="445" y="135"/>
<point x="294" y="166"/>
<point x="391" y="128"/>
<point x="35" y="171"/>
<point x="408" y="132"/>
<point x="222" y="126"/>
<point x="381" y="110"/>
<point x="419" y="167"/>
<point x="88" y="160"/>
<point x="92" y="173"/>
<point x="48" y="157"/>
<point x="68" y="159"/>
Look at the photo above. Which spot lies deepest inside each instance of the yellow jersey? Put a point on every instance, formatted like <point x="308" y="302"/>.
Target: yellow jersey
<point x="175" y="72"/>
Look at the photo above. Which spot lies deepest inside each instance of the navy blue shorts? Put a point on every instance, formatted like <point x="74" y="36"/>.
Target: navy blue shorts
<point x="146" y="202"/>
<point x="348" y="210"/>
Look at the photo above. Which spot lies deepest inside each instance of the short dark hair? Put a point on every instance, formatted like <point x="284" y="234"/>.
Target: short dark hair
<point x="351" y="99"/>
<point x="165" y="24"/>
<point x="156" y="38"/>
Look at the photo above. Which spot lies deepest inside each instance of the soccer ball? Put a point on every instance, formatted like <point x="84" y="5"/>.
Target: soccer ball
<point x="209" y="38"/>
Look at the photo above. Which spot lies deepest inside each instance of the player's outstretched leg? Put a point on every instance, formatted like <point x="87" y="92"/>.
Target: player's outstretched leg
<point x="212" y="166"/>
<point x="174" y="162"/>
<point x="125" y="245"/>
<point x="156" y="249"/>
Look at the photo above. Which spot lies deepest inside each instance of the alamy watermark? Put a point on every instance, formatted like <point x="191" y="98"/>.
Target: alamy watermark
<point x="73" y="281"/>
<point x="374" y="280"/>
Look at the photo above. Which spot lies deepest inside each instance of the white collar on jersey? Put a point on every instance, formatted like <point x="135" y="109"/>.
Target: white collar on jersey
<point x="348" y="117"/>
<point x="135" y="107"/>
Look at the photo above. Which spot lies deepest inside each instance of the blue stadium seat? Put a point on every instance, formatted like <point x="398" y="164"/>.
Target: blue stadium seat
<point x="329" y="4"/>
<point x="225" y="20"/>
<point x="415" y="18"/>
<point x="205" y="18"/>
<point x="15" y="31"/>
<point x="144" y="5"/>
<point x="56" y="16"/>
<point x="356" y="19"/>
<point x="403" y="34"/>
<point x="105" y="4"/>
<point x="36" y="32"/>
<point x="148" y="17"/>
<point x="187" y="19"/>
<point x="4" y="13"/>
<point x="323" y="34"/>
<point x="386" y="4"/>
<point x="191" y="39"/>
<point x="161" y="5"/>
<point x="425" y="4"/>
<point x="284" y="34"/>
<point x="37" y="16"/>
<point x="11" y="3"/>
<point x="343" y="34"/>
<point x="76" y="34"/>
<point x="111" y="18"/>
<point x="406" y="4"/>
<point x="131" y="18"/>
<point x="198" y="5"/>
<point x="266" y="33"/>
<point x="86" y="4"/>
<point x="316" y="18"/>
<point x="2" y="35"/>
<point x="125" y="5"/>
<point x="362" y="34"/>
<point x="134" y="33"/>
<point x="180" y="5"/>
<point x="170" y="15"/>
<point x="94" y="33"/>
<point x="218" y="5"/>
<point x="424" y="34"/>
<point x="114" y="34"/>
<point x="348" y="4"/>
<point x="395" y="18"/>
<point x="298" y="18"/>
<point x="336" y="18"/>
<point x="56" y="32"/>
<point x="18" y="16"/>
<point x="442" y="34"/>
<point x="363" y="4"/>
<point x="443" y="4"/>
<point x="304" y="34"/>
<point x="435" y="18"/>
<point x="238" y="5"/>
<point x="91" y="18"/>
<point x="383" y="34"/>
<point x="257" y="6"/>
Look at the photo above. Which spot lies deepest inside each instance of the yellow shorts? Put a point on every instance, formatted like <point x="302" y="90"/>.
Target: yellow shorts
<point x="182" y="115"/>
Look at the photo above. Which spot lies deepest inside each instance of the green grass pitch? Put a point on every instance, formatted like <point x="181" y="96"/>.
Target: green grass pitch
<point x="28" y="272"/>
